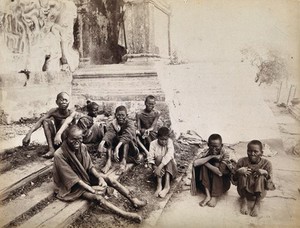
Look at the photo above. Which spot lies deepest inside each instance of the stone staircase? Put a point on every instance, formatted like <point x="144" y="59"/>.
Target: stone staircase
<point x="119" y="84"/>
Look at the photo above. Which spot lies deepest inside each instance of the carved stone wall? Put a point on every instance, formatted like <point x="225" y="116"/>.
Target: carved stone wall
<point x="32" y="29"/>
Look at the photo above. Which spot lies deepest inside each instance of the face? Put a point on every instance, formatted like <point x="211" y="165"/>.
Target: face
<point x="163" y="140"/>
<point x="93" y="111"/>
<point x="74" y="139"/>
<point x="254" y="153"/>
<point x="63" y="101"/>
<point x="150" y="103"/>
<point x="121" y="117"/>
<point x="215" y="146"/>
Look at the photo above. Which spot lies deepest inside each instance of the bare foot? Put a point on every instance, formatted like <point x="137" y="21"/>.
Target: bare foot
<point x="158" y="190"/>
<point x="164" y="192"/>
<point x="106" y="167"/>
<point x="244" y="207"/>
<point x="254" y="212"/>
<point x="121" y="169"/>
<point x="205" y="201"/>
<point x="212" y="202"/>
<point x="138" y="203"/>
<point x="49" y="154"/>
<point x="137" y="218"/>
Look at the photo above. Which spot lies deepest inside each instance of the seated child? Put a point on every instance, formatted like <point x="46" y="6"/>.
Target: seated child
<point x="211" y="174"/>
<point x="120" y="141"/>
<point x="75" y="176"/>
<point x="254" y="176"/>
<point x="52" y="122"/>
<point x="161" y="161"/>
<point x="147" y="123"/>
<point x="92" y="132"/>
<point x="92" y="111"/>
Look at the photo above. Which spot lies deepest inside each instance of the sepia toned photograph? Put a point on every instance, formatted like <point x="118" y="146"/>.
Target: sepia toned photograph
<point x="149" y="113"/>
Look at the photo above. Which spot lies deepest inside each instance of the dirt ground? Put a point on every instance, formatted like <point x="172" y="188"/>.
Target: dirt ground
<point x="97" y="217"/>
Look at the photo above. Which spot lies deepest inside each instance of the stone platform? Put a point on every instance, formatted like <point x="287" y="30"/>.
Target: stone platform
<point x="108" y="85"/>
<point x="118" y="84"/>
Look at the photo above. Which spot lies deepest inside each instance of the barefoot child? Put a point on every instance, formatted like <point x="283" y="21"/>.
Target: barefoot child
<point x="74" y="176"/>
<point x="52" y="122"/>
<point x="161" y="161"/>
<point x="147" y="123"/>
<point x="211" y="173"/>
<point x="120" y="141"/>
<point x="254" y="177"/>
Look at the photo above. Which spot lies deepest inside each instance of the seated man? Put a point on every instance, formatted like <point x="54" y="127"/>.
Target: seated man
<point x="92" y="111"/>
<point x="93" y="133"/>
<point x="58" y="115"/>
<point x="254" y="176"/>
<point x="120" y="141"/>
<point x="74" y="175"/>
<point x="211" y="172"/>
<point x="147" y="124"/>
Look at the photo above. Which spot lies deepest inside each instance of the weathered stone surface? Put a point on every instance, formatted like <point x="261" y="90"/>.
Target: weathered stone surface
<point x="22" y="97"/>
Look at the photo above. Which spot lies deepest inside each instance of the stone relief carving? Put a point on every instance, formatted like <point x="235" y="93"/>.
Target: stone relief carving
<point x="37" y="35"/>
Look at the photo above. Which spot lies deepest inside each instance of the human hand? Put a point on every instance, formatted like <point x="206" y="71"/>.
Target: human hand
<point x="57" y="139"/>
<point x="91" y="190"/>
<point x="217" y="156"/>
<point x="26" y="140"/>
<point x="102" y="182"/>
<point x="261" y="172"/>
<point x="244" y="171"/>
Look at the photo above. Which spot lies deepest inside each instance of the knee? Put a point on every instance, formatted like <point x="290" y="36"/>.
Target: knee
<point x="46" y="123"/>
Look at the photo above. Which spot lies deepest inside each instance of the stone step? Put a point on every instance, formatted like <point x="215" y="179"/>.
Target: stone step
<point x="16" y="178"/>
<point x="61" y="214"/>
<point x="22" y="204"/>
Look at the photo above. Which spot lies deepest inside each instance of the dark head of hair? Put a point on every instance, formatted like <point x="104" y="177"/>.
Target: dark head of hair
<point x="150" y="97"/>
<point x="214" y="137"/>
<point x="256" y="142"/>
<point x="162" y="132"/>
<point x="85" y="122"/>
<point x="121" y="108"/>
<point x="60" y="95"/>
<point x="90" y="105"/>
<point x="72" y="129"/>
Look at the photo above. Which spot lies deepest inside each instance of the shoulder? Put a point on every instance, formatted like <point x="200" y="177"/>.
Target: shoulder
<point x="154" y="143"/>
<point x="52" y="111"/>
<point x="156" y="112"/>
<point x="266" y="162"/>
<point x="243" y="160"/>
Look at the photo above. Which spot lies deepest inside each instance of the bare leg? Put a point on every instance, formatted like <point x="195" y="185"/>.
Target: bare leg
<point x="109" y="206"/>
<point x="125" y="192"/>
<point x="206" y="199"/>
<point x="146" y="152"/>
<point x="108" y="162"/>
<point x="159" y="186"/>
<point x="244" y="205"/>
<point x="166" y="189"/>
<point x="123" y="162"/>
<point x="254" y="211"/>
<point x="49" y="131"/>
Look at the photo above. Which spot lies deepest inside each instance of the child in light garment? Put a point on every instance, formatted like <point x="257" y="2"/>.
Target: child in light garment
<point x="161" y="160"/>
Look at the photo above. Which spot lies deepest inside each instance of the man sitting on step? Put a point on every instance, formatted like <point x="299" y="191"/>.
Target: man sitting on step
<point x="74" y="176"/>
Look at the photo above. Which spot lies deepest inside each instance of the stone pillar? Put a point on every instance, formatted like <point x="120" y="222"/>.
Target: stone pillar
<point x="147" y="29"/>
<point x="83" y="35"/>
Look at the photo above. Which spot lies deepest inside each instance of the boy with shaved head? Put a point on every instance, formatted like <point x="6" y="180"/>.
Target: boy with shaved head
<point x="51" y="122"/>
<point x="254" y="176"/>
